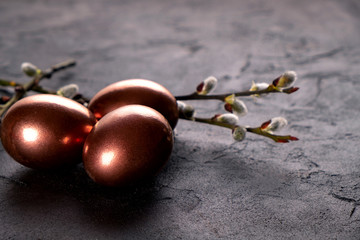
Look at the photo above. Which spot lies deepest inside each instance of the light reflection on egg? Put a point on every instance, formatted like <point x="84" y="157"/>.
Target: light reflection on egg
<point x="30" y="134"/>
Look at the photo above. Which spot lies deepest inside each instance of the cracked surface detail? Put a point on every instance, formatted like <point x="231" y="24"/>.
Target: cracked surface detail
<point x="212" y="187"/>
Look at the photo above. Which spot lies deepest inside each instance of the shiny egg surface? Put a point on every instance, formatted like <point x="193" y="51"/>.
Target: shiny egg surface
<point x="135" y="91"/>
<point x="46" y="131"/>
<point x="127" y="145"/>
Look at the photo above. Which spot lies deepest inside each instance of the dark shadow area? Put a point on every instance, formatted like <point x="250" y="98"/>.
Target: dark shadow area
<point x="46" y="190"/>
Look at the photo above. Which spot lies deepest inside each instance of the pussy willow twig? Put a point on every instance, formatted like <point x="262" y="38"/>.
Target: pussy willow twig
<point x="36" y="88"/>
<point x="21" y="89"/>
<point x="221" y="97"/>
<point x="255" y="130"/>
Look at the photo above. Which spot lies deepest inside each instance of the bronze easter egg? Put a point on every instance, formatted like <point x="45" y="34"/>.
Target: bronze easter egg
<point x="135" y="91"/>
<point x="127" y="145"/>
<point x="46" y="131"/>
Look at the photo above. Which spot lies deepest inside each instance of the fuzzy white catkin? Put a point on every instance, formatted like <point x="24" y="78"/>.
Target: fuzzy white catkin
<point x="276" y="124"/>
<point x="228" y="118"/>
<point x="29" y="69"/>
<point x="239" y="133"/>
<point x="287" y="79"/>
<point x="209" y="85"/>
<point x="239" y="108"/>
<point x="68" y="91"/>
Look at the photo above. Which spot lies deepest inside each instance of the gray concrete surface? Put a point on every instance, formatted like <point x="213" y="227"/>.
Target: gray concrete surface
<point x="212" y="188"/>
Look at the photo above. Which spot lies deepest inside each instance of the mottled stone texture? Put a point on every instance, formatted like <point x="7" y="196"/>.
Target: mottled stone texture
<point x="212" y="188"/>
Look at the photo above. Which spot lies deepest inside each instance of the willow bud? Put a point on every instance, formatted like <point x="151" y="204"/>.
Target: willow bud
<point x="286" y="80"/>
<point x="30" y="69"/>
<point x="236" y="106"/>
<point x="68" y="91"/>
<point x="207" y="86"/>
<point x="258" y="87"/>
<point x="227" y="118"/>
<point x="275" y="124"/>
<point x="239" y="133"/>
<point x="185" y="110"/>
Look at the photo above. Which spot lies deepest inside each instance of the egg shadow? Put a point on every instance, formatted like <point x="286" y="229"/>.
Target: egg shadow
<point x="68" y="196"/>
<point x="72" y="193"/>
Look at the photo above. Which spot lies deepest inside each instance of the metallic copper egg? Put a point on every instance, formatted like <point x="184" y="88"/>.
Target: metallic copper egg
<point x="127" y="145"/>
<point x="46" y="131"/>
<point x="135" y="91"/>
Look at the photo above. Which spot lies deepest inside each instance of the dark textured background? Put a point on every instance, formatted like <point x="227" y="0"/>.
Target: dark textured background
<point x="212" y="188"/>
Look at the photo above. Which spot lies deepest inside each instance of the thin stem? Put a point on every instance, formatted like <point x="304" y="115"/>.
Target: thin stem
<point x="221" y="97"/>
<point x="21" y="89"/>
<point x="58" y="67"/>
<point x="195" y="96"/>
<point x="40" y="89"/>
<point x="276" y="138"/>
<point x="8" y="83"/>
<point x="36" y="88"/>
<point x="211" y="122"/>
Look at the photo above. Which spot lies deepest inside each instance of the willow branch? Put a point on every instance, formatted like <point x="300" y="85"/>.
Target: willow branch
<point x="21" y="89"/>
<point x="36" y="88"/>
<point x="211" y="122"/>
<point x="221" y="97"/>
<point x="258" y="130"/>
